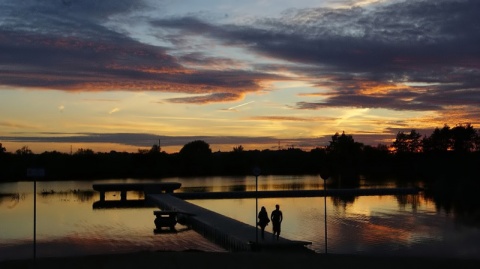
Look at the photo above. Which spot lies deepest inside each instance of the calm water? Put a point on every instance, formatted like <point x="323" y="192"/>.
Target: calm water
<point x="67" y="224"/>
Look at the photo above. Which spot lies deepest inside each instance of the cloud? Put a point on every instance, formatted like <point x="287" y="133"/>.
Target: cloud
<point x="205" y="99"/>
<point x="101" y="100"/>
<point x="147" y="140"/>
<point x="291" y="118"/>
<point x="135" y="139"/>
<point x="387" y="43"/>
<point x="115" y="110"/>
<point x="81" y="46"/>
<point x="200" y="60"/>
<point x="16" y="125"/>
<point x="75" y="46"/>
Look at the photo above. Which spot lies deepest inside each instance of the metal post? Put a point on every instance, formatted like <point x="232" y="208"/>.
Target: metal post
<point x="256" y="171"/>
<point x="256" y="210"/>
<point x="35" y="173"/>
<point x="325" y="206"/>
<point x="34" y="221"/>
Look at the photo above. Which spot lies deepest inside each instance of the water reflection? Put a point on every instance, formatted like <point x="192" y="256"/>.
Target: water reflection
<point x="460" y="201"/>
<point x="343" y="200"/>
<point x="12" y="198"/>
<point x="372" y="224"/>
<point x="427" y="224"/>
<point x="67" y="226"/>
<point x="79" y="195"/>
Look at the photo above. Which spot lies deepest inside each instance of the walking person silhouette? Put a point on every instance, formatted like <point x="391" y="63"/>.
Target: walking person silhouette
<point x="263" y="220"/>
<point x="277" y="218"/>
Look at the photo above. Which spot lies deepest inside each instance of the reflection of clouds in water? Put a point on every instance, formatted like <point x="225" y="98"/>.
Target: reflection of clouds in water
<point x="400" y="230"/>
<point x="383" y="225"/>
<point x="76" y="244"/>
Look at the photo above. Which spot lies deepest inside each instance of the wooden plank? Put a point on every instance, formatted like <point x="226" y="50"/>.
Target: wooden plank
<point x="229" y="233"/>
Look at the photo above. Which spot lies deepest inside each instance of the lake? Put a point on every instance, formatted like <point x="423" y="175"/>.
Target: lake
<point x="67" y="224"/>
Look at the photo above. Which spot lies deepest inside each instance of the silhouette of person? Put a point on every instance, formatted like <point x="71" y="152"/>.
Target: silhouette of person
<point x="263" y="220"/>
<point x="277" y="218"/>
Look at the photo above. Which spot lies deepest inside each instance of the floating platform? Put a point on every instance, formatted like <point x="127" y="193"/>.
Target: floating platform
<point x="229" y="233"/>
<point x="147" y="188"/>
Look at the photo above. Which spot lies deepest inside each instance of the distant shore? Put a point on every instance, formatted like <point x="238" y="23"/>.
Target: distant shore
<point x="214" y="260"/>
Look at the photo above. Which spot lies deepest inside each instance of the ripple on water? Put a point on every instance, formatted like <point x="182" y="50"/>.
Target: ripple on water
<point x="80" y="244"/>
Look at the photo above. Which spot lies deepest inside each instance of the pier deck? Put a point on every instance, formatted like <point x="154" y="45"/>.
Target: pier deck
<point x="231" y="234"/>
<point x="295" y="193"/>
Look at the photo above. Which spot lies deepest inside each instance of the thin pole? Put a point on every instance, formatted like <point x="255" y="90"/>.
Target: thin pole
<point x="325" y="206"/>
<point x="256" y="211"/>
<point x="34" y="221"/>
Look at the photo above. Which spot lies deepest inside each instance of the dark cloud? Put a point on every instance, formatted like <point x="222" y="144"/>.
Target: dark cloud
<point x="142" y="140"/>
<point x="67" y="45"/>
<point x="359" y="101"/>
<point x="198" y="59"/>
<point x="420" y="41"/>
<point x="205" y="99"/>
<point x="147" y="140"/>
<point x="28" y="13"/>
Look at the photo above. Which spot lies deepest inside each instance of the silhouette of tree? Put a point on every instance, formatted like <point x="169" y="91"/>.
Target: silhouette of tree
<point x="155" y="149"/>
<point x="195" y="157"/>
<point x="23" y="151"/>
<point x="82" y="151"/>
<point x="382" y="147"/>
<point x="343" y="160"/>
<point x="477" y="142"/>
<point x="376" y="161"/>
<point x="238" y="149"/>
<point x="440" y="140"/>
<point x="463" y="138"/>
<point x="343" y="144"/>
<point x="143" y="151"/>
<point x="196" y="148"/>
<point x="344" y="154"/>
<point x="407" y="142"/>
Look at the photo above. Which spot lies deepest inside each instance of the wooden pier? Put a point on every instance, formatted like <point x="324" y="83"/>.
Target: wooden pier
<point x="229" y="233"/>
<point x="295" y="193"/>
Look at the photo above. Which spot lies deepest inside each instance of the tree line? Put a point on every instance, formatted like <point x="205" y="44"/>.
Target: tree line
<point x="447" y="154"/>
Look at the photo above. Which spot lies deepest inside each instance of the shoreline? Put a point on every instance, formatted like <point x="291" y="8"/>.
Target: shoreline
<point x="214" y="260"/>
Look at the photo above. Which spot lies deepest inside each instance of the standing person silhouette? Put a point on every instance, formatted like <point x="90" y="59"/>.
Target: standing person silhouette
<point x="263" y="220"/>
<point x="277" y="218"/>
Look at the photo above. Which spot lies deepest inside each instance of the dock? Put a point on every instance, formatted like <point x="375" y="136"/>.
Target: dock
<point x="295" y="193"/>
<point x="226" y="232"/>
<point x="229" y="233"/>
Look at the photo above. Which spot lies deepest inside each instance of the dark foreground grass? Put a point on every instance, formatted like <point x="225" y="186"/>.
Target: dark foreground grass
<point x="214" y="260"/>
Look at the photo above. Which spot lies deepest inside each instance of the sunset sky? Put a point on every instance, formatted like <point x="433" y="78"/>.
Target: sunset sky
<point x="120" y="74"/>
